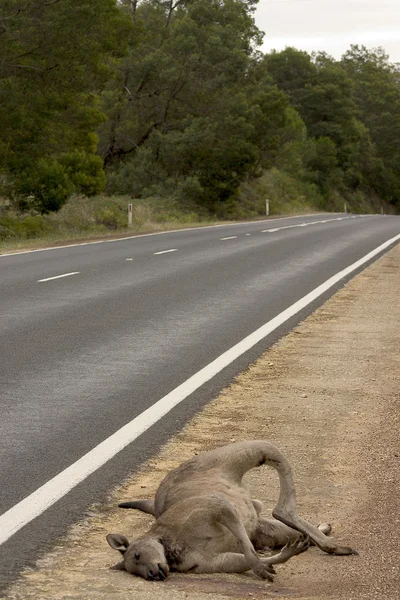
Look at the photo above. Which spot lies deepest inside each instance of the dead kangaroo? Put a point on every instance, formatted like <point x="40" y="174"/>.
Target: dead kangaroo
<point x="206" y="521"/>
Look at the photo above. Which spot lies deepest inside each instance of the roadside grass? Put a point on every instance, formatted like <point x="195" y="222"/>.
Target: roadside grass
<point x="99" y="217"/>
<point x="106" y="217"/>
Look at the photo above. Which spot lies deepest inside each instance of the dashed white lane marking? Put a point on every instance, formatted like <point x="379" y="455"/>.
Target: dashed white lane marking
<point x="58" y="276"/>
<point x="166" y="251"/>
<point x="231" y="237"/>
<point x="248" y="233"/>
<point x="129" y="259"/>
<point x="141" y="235"/>
<point x="277" y="229"/>
<point x="36" y="503"/>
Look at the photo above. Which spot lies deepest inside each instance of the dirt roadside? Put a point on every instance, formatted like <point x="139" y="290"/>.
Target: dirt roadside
<point x="328" y="395"/>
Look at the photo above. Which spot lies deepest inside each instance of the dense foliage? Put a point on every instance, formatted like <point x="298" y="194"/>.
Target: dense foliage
<point x="55" y="57"/>
<point x="172" y="99"/>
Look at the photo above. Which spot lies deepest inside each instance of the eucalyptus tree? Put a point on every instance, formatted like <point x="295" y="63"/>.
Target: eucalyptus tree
<point x="54" y="57"/>
<point x="187" y="110"/>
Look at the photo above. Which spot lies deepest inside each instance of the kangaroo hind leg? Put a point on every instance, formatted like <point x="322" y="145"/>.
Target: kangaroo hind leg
<point x="272" y="534"/>
<point x="261" y="452"/>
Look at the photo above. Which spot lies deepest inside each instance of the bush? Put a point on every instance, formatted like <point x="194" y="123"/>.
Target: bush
<point x="46" y="187"/>
<point x="31" y="226"/>
<point x="48" y="184"/>
<point x="140" y="177"/>
<point x="85" y="172"/>
<point x="111" y="217"/>
<point x="189" y="191"/>
<point x="286" y="194"/>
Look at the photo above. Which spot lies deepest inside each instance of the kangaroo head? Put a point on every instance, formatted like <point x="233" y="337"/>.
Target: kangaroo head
<point x="144" y="557"/>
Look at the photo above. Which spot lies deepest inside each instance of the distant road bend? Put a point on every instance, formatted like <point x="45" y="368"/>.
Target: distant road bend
<point x="108" y="348"/>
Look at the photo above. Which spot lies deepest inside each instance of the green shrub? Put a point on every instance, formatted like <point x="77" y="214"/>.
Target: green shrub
<point x="50" y="182"/>
<point x="30" y="226"/>
<point x="286" y="194"/>
<point x="111" y="217"/>
<point x="85" y="171"/>
<point x="231" y="209"/>
<point x="189" y="191"/>
<point x="45" y="187"/>
<point x="139" y="177"/>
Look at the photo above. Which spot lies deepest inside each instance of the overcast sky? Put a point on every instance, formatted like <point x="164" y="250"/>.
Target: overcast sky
<point x="330" y="25"/>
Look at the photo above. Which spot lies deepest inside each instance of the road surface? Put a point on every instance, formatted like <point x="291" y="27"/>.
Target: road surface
<point x="92" y="335"/>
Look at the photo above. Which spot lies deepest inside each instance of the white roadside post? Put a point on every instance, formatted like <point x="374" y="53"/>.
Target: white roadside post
<point x="345" y="207"/>
<point x="267" y="207"/>
<point x="129" y="215"/>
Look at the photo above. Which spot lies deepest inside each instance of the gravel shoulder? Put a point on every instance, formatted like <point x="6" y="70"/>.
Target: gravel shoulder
<point x="328" y="395"/>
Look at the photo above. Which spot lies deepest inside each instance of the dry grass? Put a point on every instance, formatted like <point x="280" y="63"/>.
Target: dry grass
<point x="101" y="217"/>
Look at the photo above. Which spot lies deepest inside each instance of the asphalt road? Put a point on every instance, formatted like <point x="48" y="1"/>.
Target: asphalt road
<point x="92" y="335"/>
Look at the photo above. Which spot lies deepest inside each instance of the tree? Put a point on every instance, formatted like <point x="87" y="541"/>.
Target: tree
<point x="185" y="102"/>
<point x="341" y="154"/>
<point x="54" y="58"/>
<point x="377" y="95"/>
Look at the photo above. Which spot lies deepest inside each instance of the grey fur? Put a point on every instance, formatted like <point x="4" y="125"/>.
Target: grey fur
<point x="206" y="521"/>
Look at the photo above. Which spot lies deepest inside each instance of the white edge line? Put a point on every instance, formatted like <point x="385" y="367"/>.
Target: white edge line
<point x="36" y="503"/>
<point x="141" y="235"/>
<point x="166" y="251"/>
<point x="58" y="276"/>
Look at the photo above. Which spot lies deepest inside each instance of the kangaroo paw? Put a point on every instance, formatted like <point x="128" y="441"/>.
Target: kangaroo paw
<point x="344" y="551"/>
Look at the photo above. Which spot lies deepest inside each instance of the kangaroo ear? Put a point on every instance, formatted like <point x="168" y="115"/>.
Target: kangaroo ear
<point x="118" y="542"/>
